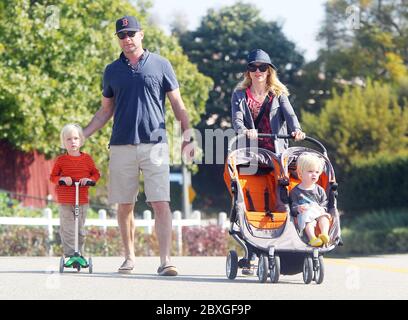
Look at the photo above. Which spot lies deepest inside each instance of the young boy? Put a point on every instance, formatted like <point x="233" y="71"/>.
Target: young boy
<point x="71" y="167"/>
<point x="309" y="200"/>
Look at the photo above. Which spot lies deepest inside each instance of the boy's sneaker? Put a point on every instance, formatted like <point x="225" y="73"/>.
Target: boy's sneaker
<point x="316" y="242"/>
<point x="325" y="238"/>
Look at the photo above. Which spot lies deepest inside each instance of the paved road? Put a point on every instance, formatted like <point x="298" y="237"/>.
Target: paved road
<point x="201" y="278"/>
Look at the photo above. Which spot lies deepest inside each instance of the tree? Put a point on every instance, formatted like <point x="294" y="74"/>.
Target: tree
<point x="361" y="38"/>
<point x="360" y="123"/>
<point x="52" y="58"/>
<point x="220" y="46"/>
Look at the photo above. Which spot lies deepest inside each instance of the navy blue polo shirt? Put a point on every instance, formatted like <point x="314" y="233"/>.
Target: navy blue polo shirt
<point x="140" y="93"/>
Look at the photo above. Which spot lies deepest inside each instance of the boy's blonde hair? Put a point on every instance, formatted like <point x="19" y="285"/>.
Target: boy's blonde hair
<point x="309" y="161"/>
<point x="68" y="128"/>
<point x="273" y="85"/>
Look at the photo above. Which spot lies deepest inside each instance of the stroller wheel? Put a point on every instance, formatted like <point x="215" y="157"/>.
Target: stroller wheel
<point x="307" y="270"/>
<point x="62" y="265"/>
<point x="263" y="267"/>
<point x="232" y="265"/>
<point x="275" y="270"/>
<point x="319" y="272"/>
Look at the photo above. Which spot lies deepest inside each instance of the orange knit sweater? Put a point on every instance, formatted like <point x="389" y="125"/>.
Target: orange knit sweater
<point x="77" y="168"/>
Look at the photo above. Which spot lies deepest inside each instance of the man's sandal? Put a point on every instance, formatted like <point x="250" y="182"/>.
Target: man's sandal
<point x="127" y="266"/>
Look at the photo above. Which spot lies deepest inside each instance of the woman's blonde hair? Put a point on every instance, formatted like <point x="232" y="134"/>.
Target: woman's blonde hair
<point x="273" y="84"/>
<point x="68" y="128"/>
<point x="309" y="161"/>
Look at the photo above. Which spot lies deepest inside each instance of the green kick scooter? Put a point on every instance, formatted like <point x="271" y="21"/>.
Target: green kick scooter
<point x="77" y="261"/>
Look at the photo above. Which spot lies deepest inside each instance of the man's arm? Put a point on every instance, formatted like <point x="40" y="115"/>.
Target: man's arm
<point x="181" y="115"/>
<point x="179" y="109"/>
<point x="101" y="117"/>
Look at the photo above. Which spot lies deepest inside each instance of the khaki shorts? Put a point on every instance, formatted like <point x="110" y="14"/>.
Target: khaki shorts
<point x="125" y="164"/>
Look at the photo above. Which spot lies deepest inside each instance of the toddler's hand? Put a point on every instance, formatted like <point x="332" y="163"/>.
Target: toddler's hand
<point x="67" y="180"/>
<point x="302" y="208"/>
<point x="83" y="181"/>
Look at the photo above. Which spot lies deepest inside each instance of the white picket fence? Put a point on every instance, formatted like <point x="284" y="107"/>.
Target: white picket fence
<point x="147" y="223"/>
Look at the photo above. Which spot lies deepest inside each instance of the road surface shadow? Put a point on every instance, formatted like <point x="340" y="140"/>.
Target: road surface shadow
<point x="141" y="276"/>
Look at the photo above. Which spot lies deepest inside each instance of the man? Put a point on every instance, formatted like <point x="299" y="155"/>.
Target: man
<point x="134" y="90"/>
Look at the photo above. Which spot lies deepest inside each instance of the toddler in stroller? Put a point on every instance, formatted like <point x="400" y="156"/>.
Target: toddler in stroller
<point x="309" y="201"/>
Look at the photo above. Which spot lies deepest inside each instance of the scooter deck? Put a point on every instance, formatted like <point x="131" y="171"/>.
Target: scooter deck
<point x="74" y="261"/>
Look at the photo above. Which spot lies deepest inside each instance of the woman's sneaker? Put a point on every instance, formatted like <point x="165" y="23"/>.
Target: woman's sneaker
<point x="316" y="242"/>
<point x="249" y="271"/>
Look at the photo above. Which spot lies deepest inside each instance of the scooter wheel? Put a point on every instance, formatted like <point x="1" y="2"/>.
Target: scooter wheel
<point x="62" y="265"/>
<point x="90" y="265"/>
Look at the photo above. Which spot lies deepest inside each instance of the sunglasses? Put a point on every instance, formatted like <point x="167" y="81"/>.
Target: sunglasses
<point x="130" y="34"/>
<point x="253" y="67"/>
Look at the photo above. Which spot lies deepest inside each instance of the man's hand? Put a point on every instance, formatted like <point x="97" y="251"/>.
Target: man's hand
<point x="188" y="151"/>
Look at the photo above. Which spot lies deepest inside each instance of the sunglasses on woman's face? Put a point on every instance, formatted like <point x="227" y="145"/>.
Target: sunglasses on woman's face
<point x="254" y="67"/>
<point x="130" y="34"/>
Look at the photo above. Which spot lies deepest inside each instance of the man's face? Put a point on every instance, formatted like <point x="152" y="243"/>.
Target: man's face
<point x="131" y="42"/>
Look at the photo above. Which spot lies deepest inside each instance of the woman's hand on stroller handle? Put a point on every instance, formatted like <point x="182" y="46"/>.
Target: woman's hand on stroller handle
<point x="251" y="133"/>
<point x="278" y="136"/>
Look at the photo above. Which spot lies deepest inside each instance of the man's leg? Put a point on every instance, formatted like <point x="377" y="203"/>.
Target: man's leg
<point x="154" y="163"/>
<point x="126" y="223"/>
<point x="163" y="228"/>
<point x="123" y="189"/>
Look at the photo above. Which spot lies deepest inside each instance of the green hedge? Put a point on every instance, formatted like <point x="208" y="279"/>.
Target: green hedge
<point x="376" y="183"/>
<point x="380" y="232"/>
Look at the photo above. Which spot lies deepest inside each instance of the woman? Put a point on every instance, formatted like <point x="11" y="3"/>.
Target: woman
<point x="260" y="104"/>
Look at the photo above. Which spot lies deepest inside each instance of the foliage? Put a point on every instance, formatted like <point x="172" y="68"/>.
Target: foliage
<point x="204" y="241"/>
<point x="376" y="232"/>
<point x="376" y="183"/>
<point x="378" y="30"/>
<point x="210" y="240"/>
<point x="52" y="59"/>
<point x="22" y="241"/>
<point x="10" y="207"/>
<point x="220" y="46"/>
<point x="360" y="123"/>
<point x="361" y="39"/>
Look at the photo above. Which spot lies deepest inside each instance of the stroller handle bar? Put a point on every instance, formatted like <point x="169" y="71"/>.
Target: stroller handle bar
<point x="275" y="137"/>
<point x="88" y="183"/>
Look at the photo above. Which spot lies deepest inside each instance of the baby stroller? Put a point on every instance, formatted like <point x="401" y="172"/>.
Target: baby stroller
<point x="259" y="182"/>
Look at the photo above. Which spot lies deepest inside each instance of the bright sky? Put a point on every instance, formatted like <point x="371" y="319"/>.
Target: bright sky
<point x="301" y="19"/>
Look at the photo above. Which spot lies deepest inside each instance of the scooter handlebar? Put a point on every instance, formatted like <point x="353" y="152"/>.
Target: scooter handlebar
<point x="88" y="183"/>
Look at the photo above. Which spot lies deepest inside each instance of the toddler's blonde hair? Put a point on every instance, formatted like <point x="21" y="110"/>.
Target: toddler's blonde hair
<point x="68" y="128"/>
<point x="309" y="161"/>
